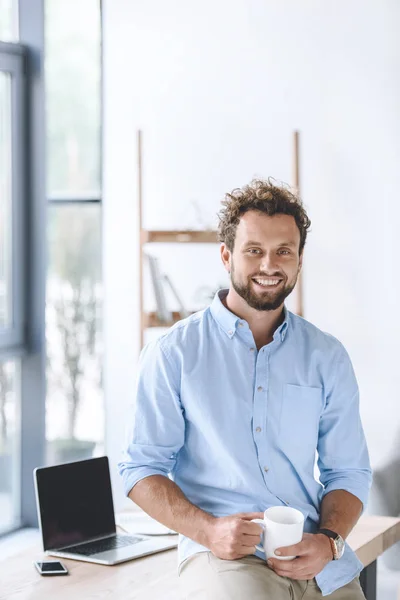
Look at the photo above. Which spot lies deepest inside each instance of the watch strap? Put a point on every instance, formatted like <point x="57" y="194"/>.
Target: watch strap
<point x="332" y="536"/>
<point x="329" y="533"/>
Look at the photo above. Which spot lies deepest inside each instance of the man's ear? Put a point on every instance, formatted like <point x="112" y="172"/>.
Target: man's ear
<point x="226" y="256"/>
<point x="301" y="260"/>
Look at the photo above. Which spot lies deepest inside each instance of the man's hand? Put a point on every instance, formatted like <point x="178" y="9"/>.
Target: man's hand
<point x="312" y="554"/>
<point x="234" y="536"/>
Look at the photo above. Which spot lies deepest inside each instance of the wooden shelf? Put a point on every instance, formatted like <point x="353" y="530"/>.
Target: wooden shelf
<point x="192" y="237"/>
<point x="151" y="320"/>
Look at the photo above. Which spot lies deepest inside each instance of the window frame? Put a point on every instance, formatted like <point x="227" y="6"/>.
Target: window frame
<point x="75" y="200"/>
<point x="33" y="363"/>
<point x="13" y="336"/>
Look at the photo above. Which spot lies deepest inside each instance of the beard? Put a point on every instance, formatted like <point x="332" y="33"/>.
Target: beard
<point x="268" y="300"/>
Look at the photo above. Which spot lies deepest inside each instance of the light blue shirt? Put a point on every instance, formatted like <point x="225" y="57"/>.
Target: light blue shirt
<point x="238" y="428"/>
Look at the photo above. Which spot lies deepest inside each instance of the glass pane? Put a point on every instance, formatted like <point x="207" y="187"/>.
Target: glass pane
<point x="9" y="444"/>
<point x="8" y="21"/>
<point x="5" y="200"/>
<point x="73" y="62"/>
<point x="74" y="408"/>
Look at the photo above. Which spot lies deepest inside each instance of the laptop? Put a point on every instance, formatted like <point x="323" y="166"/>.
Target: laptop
<point x="76" y="515"/>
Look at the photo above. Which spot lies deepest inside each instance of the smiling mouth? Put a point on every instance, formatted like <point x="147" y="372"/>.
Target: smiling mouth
<point x="265" y="282"/>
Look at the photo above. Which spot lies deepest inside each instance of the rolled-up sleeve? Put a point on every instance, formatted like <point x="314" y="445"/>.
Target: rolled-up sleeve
<point x="156" y="431"/>
<point x="343" y="455"/>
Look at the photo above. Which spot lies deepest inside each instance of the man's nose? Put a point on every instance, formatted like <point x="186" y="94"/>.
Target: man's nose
<point x="269" y="263"/>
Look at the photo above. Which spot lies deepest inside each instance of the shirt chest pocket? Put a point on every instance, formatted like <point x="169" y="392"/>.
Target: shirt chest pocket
<point x="299" y="422"/>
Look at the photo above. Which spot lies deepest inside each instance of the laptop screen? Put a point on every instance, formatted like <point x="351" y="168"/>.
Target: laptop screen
<point x="75" y="502"/>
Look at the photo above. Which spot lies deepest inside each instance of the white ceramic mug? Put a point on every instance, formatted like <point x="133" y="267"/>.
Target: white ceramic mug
<point x="283" y="526"/>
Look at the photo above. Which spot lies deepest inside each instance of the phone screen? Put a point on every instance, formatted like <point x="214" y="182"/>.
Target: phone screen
<point x="51" y="567"/>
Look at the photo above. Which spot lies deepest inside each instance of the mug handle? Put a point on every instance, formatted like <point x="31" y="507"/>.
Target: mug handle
<point x="261" y="522"/>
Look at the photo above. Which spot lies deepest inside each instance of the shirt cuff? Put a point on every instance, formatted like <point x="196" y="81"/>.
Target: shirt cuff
<point x="345" y="484"/>
<point x="130" y="477"/>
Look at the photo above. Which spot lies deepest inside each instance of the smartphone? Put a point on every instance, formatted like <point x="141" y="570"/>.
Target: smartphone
<point x="50" y="567"/>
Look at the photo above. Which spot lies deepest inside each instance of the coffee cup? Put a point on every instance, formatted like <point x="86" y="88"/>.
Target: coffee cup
<point x="283" y="526"/>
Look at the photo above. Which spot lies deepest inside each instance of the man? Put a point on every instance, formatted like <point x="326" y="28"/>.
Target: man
<point x="233" y="403"/>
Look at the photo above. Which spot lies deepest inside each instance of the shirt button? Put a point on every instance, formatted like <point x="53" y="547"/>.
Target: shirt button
<point x="258" y="429"/>
<point x="259" y="389"/>
<point x="230" y="332"/>
<point x="252" y="349"/>
<point x="240" y="324"/>
<point x="266" y="469"/>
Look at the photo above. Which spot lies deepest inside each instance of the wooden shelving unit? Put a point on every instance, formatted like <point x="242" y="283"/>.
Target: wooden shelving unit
<point x="151" y="320"/>
<point x="146" y="236"/>
<point x="185" y="237"/>
<point x="298" y="290"/>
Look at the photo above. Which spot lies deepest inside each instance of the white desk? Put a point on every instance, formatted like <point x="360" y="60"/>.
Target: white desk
<point x="156" y="576"/>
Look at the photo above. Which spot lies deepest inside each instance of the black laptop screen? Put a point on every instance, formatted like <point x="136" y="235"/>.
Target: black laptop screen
<point x="75" y="502"/>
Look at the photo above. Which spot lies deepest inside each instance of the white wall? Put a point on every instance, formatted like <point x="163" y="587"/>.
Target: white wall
<point x="218" y="88"/>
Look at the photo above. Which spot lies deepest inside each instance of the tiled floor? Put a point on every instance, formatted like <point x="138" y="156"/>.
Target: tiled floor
<point x="388" y="580"/>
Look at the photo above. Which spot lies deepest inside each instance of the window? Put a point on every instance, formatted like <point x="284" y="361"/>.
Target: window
<point x="74" y="413"/>
<point x="74" y="405"/>
<point x="11" y="201"/>
<point x="9" y="444"/>
<point x="12" y="268"/>
<point x="8" y="20"/>
<point x="5" y="201"/>
<point x="73" y="68"/>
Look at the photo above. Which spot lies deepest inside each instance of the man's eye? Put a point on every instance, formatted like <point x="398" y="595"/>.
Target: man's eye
<point x="254" y="251"/>
<point x="284" y="252"/>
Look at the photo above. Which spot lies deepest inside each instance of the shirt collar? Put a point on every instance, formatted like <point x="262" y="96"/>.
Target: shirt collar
<point x="228" y="321"/>
<point x="224" y="317"/>
<point x="282" y="329"/>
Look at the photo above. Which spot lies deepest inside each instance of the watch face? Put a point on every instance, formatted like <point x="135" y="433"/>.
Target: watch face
<point x="339" y="543"/>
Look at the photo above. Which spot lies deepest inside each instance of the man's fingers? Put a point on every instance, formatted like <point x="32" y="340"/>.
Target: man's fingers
<point x="247" y="550"/>
<point x="251" y="515"/>
<point x="295" y="550"/>
<point x="251" y="528"/>
<point x="251" y="540"/>
<point x="288" y="568"/>
<point x="280" y="567"/>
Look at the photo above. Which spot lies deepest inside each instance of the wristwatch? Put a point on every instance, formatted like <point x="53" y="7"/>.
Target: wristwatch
<point x="337" y="542"/>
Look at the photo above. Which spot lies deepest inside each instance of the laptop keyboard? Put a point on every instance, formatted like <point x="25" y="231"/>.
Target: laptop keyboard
<point x="118" y="541"/>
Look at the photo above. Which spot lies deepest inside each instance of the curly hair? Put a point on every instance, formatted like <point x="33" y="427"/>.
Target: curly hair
<point x="264" y="196"/>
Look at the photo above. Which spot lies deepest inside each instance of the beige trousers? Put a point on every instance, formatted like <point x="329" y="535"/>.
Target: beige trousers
<point x="203" y="576"/>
